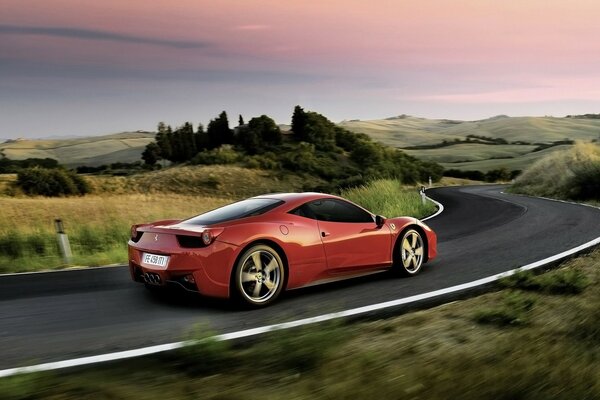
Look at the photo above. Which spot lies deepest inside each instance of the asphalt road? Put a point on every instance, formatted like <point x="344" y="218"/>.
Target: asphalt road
<point x="61" y="315"/>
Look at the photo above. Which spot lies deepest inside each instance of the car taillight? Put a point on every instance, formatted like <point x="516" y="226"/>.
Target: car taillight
<point x="135" y="235"/>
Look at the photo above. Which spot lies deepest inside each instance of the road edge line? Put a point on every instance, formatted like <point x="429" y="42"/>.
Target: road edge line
<point x="471" y="286"/>
<point x="440" y="209"/>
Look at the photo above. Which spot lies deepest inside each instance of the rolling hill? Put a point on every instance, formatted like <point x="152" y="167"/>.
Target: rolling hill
<point x="407" y="132"/>
<point x="91" y="151"/>
<point x="523" y="135"/>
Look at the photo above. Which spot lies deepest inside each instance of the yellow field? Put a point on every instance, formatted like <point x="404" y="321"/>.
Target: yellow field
<point x="38" y="214"/>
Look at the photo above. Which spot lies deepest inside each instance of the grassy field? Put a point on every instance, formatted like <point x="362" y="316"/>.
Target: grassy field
<point x="537" y="338"/>
<point x="98" y="225"/>
<point x="407" y="131"/>
<point x="91" y="151"/>
<point x="518" y="162"/>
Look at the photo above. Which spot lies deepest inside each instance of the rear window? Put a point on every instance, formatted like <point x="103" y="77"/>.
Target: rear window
<point x="230" y="212"/>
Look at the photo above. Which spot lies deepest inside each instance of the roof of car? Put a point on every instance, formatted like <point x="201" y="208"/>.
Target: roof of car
<point x="289" y="197"/>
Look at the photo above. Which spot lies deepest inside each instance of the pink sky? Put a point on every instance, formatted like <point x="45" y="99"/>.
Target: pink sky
<point x="73" y="67"/>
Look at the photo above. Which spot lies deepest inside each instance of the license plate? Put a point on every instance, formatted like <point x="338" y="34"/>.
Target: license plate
<point x="155" y="259"/>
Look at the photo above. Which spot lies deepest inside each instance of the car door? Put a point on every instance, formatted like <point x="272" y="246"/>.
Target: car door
<point x="351" y="239"/>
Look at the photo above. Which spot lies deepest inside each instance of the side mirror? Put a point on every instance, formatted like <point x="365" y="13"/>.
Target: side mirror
<point x="379" y="221"/>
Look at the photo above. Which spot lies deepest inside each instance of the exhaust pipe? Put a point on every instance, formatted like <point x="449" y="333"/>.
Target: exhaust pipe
<point x="152" y="278"/>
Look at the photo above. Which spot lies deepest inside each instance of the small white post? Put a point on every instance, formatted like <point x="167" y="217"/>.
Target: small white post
<point x="430" y="183"/>
<point x="423" y="197"/>
<point x="63" y="241"/>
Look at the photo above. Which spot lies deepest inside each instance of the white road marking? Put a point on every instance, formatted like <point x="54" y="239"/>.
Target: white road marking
<point x="121" y="355"/>
<point x="438" y="212"/>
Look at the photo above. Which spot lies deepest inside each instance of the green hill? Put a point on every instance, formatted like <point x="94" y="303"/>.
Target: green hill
<point x="91" y="151"/>
<point x="522" y="135"/>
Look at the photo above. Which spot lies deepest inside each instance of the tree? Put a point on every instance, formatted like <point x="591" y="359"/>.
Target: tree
<point x="201" y="138"/>
<point x="298" y="121"/>
<point x="151" y="154"/>
<point x="260" y="134"/>
<point x="219" y="132"/>
<point x="163" y="141"/>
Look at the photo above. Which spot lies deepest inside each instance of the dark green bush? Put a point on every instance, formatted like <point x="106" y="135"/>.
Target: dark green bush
<point x="221" y="155"/>
<point x="51" y="182"/>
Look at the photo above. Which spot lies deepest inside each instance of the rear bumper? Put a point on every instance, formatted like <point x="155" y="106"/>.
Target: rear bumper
<point x="204" y="271"/>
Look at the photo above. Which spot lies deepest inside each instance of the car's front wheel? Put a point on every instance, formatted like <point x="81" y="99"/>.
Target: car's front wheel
<point x="411" y="251"/>
<point x="259" y="275"/>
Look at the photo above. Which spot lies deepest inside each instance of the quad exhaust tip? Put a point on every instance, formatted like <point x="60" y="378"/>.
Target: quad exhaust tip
<point x="152" y="278"/>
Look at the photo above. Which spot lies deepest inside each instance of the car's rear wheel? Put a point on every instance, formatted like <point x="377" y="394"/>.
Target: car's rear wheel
<point x="411" y="251"/>
<point x="259" y="275"/>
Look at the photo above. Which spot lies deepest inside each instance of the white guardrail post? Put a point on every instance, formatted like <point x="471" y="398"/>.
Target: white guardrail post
<point x="422" y="193"/>
<point x="63" y="241"/>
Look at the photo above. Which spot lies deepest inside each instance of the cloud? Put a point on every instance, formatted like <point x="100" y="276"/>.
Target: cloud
<point x="255" y="27"/>
<point x="12" y="69"/>
<point x="91" y="34"/>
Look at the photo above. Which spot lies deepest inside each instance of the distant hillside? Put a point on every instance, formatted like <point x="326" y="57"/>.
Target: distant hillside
<point x="524" y="137"/>
<point x="91" y="151"/>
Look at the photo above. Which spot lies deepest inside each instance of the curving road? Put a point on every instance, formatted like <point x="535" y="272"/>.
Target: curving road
<point x="60" y="315"/>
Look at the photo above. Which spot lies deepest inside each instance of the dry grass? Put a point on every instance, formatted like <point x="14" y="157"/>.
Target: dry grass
<point x="566" y="174"/>
<point x="37" y="214"/>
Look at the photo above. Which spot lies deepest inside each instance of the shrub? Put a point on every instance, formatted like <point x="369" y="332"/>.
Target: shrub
<point x="221" y="155"/>
<point x="51" y="182"/>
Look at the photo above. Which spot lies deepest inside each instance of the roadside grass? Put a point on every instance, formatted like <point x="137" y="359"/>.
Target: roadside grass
<point x="440" y="353"/>
<point x="390" y="198"/>
<point x="572" y="174"/>
<point x="98" y="225"/>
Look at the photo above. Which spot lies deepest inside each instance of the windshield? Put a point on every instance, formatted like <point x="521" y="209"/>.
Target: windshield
<point x="241" y="209"/>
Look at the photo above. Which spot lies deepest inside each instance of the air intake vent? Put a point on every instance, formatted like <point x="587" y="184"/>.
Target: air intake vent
<point x="190" y="242"/>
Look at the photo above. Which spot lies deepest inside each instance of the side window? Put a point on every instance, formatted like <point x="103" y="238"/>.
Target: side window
<point x="334" y="210"/>
<point x="303" y="211"/>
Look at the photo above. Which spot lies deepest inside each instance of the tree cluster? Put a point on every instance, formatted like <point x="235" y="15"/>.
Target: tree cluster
<point x="315" y="146"/>
<point x="183" y="143"/>
<point x="8" y="166"/>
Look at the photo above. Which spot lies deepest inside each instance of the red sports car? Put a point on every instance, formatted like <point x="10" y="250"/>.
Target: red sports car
<point x="253" y="249"/>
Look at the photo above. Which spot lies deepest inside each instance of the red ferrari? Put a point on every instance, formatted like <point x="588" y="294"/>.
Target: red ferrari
<point x="253" y="249"/>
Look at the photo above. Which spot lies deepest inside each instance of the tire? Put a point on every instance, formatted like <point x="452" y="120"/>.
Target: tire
<point x="259" y="276"/>
<point x="410" y="252"/>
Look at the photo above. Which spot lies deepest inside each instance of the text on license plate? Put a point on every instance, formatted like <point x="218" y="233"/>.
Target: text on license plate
<point x="154" y="259"/>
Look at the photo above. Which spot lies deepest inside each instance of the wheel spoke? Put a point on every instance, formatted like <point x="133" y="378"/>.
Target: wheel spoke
<point x="269" y="284"/>
<point x="407" y="261"/>
<point x="419" y="251"/>
<point x="406" y="245"/>
<point x="414" y="240"/>
<point x="256" y="291"/>
<point x="414" y="262"/>
<point x="247" y="277"/>
<point x="271" y="266"/>
<point x="257" y="261"/>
